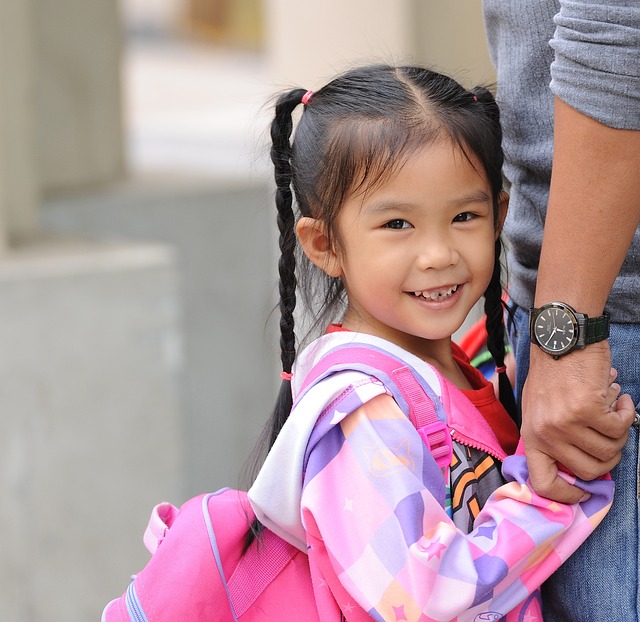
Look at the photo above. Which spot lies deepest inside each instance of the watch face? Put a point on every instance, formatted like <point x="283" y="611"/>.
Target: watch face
<point x="555" y="330"/>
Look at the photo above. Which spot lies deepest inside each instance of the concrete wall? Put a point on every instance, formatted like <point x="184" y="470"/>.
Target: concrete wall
<point x="224" y="239"/>
<point x="61" y="115"/>
<point x="90" y="360"/>
<point x="90" y="338"/>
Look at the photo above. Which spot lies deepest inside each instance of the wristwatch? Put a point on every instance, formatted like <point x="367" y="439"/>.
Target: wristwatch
<point x="559" y="329"/>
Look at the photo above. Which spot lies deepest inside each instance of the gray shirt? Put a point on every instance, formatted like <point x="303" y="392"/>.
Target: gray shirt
<point x="587" y="54"/>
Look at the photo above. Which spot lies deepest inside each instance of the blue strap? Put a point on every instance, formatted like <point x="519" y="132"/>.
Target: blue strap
<point x="134" y="608"/>
<point x="216" y="551"/>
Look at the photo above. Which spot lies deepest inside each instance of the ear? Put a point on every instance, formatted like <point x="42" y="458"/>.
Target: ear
<point x="503" y="205"/>
<point x="315" y="243"/>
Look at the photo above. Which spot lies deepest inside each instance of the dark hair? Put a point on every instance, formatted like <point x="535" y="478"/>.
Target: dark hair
<point x="353" y="134"/>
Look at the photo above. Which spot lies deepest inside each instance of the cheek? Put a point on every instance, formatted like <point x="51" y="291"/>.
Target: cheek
<point x="484" y="259"/>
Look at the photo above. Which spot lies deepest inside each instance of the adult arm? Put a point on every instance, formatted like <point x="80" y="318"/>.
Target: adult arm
<point x="594" y="208"/>
<point x="593" y="212"/>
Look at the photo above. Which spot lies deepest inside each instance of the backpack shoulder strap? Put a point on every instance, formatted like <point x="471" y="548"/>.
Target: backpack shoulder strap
<point x="411" y="390"/>
<point x="256" y="570"/>
<point x="257" y="567"/>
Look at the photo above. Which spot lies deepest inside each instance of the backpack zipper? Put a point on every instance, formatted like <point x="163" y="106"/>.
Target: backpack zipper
<point x="457" y="436"/>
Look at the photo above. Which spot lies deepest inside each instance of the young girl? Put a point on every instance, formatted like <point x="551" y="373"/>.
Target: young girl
<point x="396" y="174"/>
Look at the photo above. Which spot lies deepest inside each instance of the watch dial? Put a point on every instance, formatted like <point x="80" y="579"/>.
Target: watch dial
<point x="555" y="330"/>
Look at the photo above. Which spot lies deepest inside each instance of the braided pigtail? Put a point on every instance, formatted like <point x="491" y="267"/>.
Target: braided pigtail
<point x="494" y="310"/>
<point x="281" y="129"/>
<point x="488" y="149"/>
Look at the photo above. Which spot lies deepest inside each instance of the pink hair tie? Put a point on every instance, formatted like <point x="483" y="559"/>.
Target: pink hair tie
<point x="306" y="97"/>
<point x="285" y="375"/>
<point x="501" y="370"/>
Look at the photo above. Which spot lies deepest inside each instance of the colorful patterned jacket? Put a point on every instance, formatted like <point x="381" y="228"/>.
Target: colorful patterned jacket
<point x="350" y="480"/>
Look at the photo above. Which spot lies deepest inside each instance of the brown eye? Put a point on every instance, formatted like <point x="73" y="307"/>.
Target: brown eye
<point x="397" y="223"/>
<point x="464" y="217"/>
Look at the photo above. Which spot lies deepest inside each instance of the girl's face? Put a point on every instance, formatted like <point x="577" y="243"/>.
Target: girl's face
<point x="417" y="252"/>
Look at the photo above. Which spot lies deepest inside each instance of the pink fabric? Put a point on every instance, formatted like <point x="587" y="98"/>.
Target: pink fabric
<point x="387" y="547"/>
<point x="380" y="543"/>
<point x="181" y="581"/>
<point x="162" y="517"/>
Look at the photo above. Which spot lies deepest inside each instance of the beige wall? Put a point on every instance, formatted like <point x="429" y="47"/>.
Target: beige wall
<point x="309" y="42"/>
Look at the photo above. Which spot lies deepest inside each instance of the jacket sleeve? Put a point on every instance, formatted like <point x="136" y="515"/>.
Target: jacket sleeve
<point x="597" y="60"/>
<point x="377" y="532"/>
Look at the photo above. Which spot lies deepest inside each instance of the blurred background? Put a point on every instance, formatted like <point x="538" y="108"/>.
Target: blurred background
<point x="138" y="356"/>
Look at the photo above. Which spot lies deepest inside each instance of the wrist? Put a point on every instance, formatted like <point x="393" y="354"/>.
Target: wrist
<point x="587" y="307"/>
<point x="568" y="373"/>
<point x="558" y="329"/>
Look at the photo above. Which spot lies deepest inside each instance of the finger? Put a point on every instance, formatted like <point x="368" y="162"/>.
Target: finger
<point x="590" y="447"/>
<point x="599" y="469"/>
<point x="615" y="423"/>
<point x="584" y="466"/>
<point x="612" y="394"/>
<point x="543" y="474"/>
<point x="588" y="455"/>
<point x="625" y="409"/>
<point x="598" y="460"/>
<point x="561" y="491"/>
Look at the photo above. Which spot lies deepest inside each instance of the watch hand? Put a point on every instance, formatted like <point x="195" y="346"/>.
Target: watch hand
<point x="553" y="332"/>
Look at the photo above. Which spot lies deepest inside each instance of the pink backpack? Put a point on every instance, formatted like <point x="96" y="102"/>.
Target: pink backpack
<point x="198" y="571"/>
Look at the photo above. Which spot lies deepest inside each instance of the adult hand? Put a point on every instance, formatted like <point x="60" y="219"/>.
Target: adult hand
<point x="573" y="415"/>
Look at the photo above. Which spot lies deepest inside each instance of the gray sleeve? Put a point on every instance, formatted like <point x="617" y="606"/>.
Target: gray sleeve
<point x="597" y="60"/>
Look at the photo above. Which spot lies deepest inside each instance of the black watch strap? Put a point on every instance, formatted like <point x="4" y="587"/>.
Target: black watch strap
<point x="596" y="329"/>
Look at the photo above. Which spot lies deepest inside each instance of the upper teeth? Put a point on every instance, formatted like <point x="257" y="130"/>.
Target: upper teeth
<point x="437" y="295"/>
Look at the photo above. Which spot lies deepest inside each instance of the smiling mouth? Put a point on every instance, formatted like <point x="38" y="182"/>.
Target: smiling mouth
<point x="437" y="295"/>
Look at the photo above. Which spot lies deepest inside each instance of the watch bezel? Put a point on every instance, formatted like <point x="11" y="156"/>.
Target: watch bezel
<point x="565" y="308"/>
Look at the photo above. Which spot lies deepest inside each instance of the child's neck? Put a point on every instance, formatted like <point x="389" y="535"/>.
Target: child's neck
<point x="435" y="352"/>
<point x="439" y="354"/>
<point x="451" y="371"/>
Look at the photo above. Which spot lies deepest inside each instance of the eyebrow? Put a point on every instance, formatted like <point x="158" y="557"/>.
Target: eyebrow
<point x="479" y="196"/>
<point x="382" y="206"/>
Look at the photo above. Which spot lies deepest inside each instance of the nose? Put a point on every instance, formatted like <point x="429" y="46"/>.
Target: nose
<point x="437" y="253"/>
